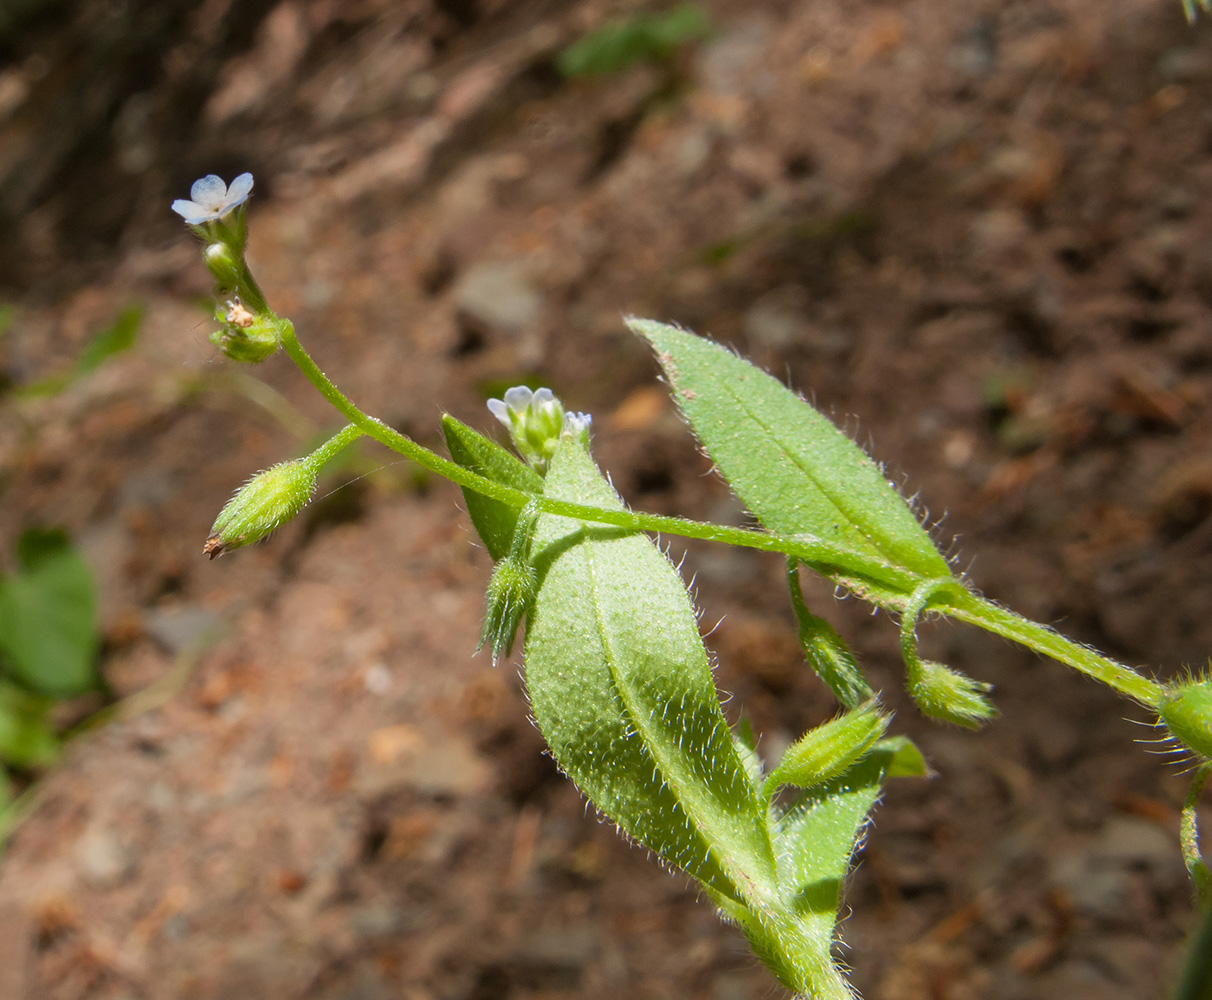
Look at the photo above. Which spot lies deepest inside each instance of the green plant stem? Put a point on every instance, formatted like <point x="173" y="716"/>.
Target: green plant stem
<point x="977" y="610"/>
<point x="821" y="555"/>
<point x="825" y="557"/>
<point x="333" y="446"/>
<point x="1197" y="868"/>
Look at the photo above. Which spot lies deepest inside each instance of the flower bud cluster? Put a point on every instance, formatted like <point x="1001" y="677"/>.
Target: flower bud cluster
<point x="217" y="213"/>
<point x="537" y="422"/>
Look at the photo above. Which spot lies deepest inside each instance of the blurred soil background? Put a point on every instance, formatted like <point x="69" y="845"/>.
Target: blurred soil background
<point x="977" y="233"/>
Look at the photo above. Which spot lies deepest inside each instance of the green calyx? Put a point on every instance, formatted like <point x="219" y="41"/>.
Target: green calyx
<point x="246" y="336"/>
<point x="1186" y="711"/>
<point x="264" y="503"/>
<point x="946" y="694"/>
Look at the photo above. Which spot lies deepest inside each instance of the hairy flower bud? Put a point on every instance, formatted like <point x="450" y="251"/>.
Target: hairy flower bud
<point x="264" y="503"/>
<point x="510" y="593"/>
<point x="832" y="749"/>
<point x="1186" y="710"/>
<point x="943" y="693"/>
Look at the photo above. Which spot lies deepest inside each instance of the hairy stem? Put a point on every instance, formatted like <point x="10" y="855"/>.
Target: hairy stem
<point x="812" y="550"/>
<point x="825" y="557"/>
<point x="977" y="610"/>
<point x="1197" y="868"/>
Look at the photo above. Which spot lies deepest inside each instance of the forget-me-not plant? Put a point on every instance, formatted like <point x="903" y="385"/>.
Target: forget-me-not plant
<point x="619" y="680"/>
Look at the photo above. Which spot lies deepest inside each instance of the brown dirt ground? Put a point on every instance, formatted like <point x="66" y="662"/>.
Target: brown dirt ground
<point x="981" y="227"/>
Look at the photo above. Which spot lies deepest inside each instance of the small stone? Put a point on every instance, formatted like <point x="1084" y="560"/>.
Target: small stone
<point x="499" y="295"/>
<point x="377" y="922"/>
<point x="1184" y="65"/>
<point x="104" y="860"/>
<point x="779" y="318"/>
<point x="1131" y="841"/>
<point x="181" y="628"/>
<point x="1097" y="890"/>
<point x="975" y="54"/>
<point x="998" y="232"/>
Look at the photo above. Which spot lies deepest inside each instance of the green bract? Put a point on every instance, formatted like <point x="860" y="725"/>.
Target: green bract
<point x="830" y="750"/>
<point x="245" y="336"/>
<point x="510" y="593"/>
<point x="495" y="521"/>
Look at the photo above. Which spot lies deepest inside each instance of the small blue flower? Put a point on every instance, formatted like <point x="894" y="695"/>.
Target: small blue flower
<point x="212" y="199"/>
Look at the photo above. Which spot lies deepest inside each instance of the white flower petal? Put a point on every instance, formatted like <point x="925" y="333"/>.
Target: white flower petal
<point x="209" y="190"/>
<point x="191" y="211"/>
<point x="499" y="410"/>
<point x="239" y="189"/>
<point x="518" y="398"/>
<point x="543" y="396"/>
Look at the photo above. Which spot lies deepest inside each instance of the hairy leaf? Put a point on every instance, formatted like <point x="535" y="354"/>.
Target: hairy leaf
<point x="622" y="690"/>
<point x="790" y="465"/>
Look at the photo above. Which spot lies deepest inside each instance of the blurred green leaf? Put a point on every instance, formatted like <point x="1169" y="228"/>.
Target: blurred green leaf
<point x="495" y="521"/>
<point x="791" y="466"/>
<point x="114" y="339"/>
<point x="48" y="617"/>
<point x="26" y="738"/>
<point x="622" y="690"/>
<point x="618" y="44"/>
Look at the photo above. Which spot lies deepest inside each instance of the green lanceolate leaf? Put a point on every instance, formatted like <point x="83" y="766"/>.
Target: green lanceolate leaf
<point x="790" y="465"/>
<point x="48" y="617"/>
<point x="622" y="691"/>
<point x="494" y="520"/>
